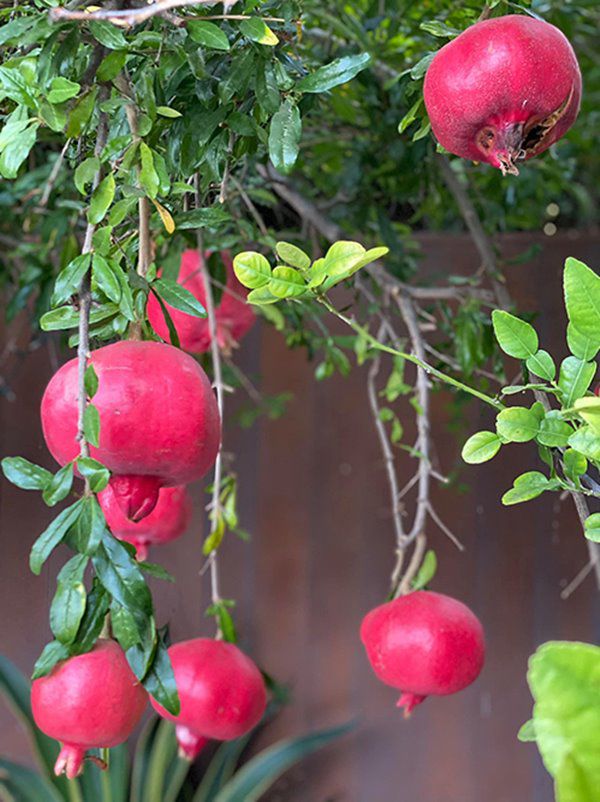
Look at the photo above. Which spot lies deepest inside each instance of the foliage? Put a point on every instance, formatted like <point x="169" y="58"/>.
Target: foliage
<point x="154" y="773"/>
<point x="564" y="679"/>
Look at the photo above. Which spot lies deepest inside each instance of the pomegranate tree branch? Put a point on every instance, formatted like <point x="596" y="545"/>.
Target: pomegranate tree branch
<point x="216" y="514"/>
<point x="127" y="17"/>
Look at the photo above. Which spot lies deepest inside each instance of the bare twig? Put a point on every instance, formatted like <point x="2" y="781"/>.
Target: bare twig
<point x="53" y="177"/>
<point x="583" y="512"/>
<point x="215" y="505"/>
<point x="127" y="17"/>
<point x="250" y="206"/>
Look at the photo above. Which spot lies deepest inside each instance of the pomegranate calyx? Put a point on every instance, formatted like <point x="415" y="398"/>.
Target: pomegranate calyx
<point x="137" y="496"/>
<point x="69" y="761"/>
<point x="409" y="701"/>
<point x="190" y="743"/>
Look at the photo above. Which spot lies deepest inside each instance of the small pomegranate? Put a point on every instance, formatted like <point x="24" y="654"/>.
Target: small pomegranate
<point x="234" y="317"/>
<point x="221" y="690"/>
<point x="425" y="644"/>
<point x="91" y="701"/>
<point x="159" y="422"/>
<point x="505" y="89"/>
<point x="167" y="521"/>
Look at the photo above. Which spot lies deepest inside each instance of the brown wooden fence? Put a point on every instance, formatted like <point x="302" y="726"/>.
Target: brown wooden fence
<point x="314" y="497"/>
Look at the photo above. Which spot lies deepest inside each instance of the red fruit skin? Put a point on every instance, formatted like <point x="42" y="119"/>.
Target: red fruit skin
<point x="159" y="422"/>
<point x="486" y="89"/>
<point x="233" y="315"/>
<point x="167" y="521"/>
<point x="221" y="690"/>
<point x="425" y="644"/>
<point x="90" y="701"/>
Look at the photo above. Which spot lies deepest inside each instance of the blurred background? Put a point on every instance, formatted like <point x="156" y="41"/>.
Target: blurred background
<point x="314" y="498"/>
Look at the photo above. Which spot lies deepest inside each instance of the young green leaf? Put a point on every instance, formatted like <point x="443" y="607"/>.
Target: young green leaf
<point x="581" y="346"/>
<point x="24" y="474"/>
<point x="258" y="31"/>
<point x="292" y="255"/>
<point x="337" y="72"/>
<point x="52" y="536"/>
<point x="587" y="441"/>
<point x="575" y="464"/>
<point x="61" y="89"/>
<point x="95" y="473"/>
<point x="554" y="432"/>
<point x="85" y="173"/>
<point x="286" y="283"/>
<point x="582" y="299"/>
<point x="528" y="486"/>
<point x="481" y="447"/>
<point x="426" y="572"/>
<point x="542" y="365"/>
<point x="252" y="269"/>
<point x="91" y="425"/>
<point x="517" y="424"/>
<point x="59" y="486"/>
<point x="516" y="337"/>
<point x="90" y="380"/>
<point x="575" y="378"/>
<point x="178" y="297"/>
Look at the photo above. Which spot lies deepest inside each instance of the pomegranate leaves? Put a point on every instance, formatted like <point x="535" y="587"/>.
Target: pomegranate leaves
<point x="564" y="418"/>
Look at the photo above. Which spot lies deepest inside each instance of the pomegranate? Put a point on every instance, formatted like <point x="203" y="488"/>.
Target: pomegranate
<point x="221" y="690"/>
<point x="425" y="644"/>
<point x="234" y="317"/>
<point x="505" y="89"/>
<point x="91" y="701"/>
<point x="159" y="422"/>
<point x="167" y="521"/>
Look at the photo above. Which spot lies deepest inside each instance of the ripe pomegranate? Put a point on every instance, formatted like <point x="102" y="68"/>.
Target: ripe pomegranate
<point x="91" y="701"/>
<point x="221" y="690"/>
<point x="159" y="422"/>
<point x="505" y="89"/>
<point x="234" y="317"/>
<point x="425" y="644"/>
<point x="167" y="521"/>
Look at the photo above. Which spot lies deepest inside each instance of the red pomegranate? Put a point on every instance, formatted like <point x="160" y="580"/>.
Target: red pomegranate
<point x="91" y="701"/>
<point x="505" y="89"/>
<point x="221" y="690"/>
<point x="159" y="422"/>
<point x="167" y="521"/>
<point x="234" y="317"/>
<point x="425" y="644"/>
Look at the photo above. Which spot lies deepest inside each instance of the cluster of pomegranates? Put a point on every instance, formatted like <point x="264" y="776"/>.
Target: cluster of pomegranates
<point x="159" y="430"/>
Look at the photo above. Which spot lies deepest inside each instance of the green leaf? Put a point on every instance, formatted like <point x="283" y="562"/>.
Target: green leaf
<point x="97" y="606"/>
<point x="80" y="114"/>
<point x="553" y="431"/>
<point x="85" y="173"/>
<point x="252" y="269"/>
<point x="591" y="527"/>
<point x="207" y="34"/>
<point x="25" y="474"/>
<point x="258" y="31"/>
<point x="292" y="255"/>
<point x="68" y="605"/>
<point x="421" y="67"/>
<point x="262" y="295"/>
<point x="527" y="732"/>
<point x="59" y="486"/>
<point x="252" y="781"/>
<point x="105" y="278"/>
<point x="337" y="72"/>
<point x="221" y="767"/>
<point x="90" y="380"/>
<point x="160" y="681"/>
<point x="426" y="572"/>
<point x="165" y="111"/>
<point x="66" y="317"/>
<point x="589" y="409"/>
<point x="90" y="527"/>
<point x="156" y="571"/>
<point x="61" y="89"/>
<point x="587" y="442"/>
<point x="148" y="175"/>
<point x="178" y="297"/>
<point x="102" y="198"/>
<point x="516" y="337"/>
<point x="14" y="154"/>
<point x="211" y="217"/>
<point x="52" y="536"/>
<point x="517" y="425"/>
<point x="528" y="486"/>
<point x="111" y="65"/>
<point x="124" y="626"/>
<point x="91" y="425"/>
<point x="95" y="473"/>
<point x="69" y="279"/>
<point x="286" y="283"/>
<point x="284" y="137"/>
<point x="582" y="299"/>
<point x="52" y="654"/>
<point x="574" y="463"/>
<point x="542" y="365"/>
<point x="21" y="784"/>
<point x="481" y="447"/>
<point x="581" y="346"/>
<point x="575" y="378"/>
<point x="108" y="35"/>
<point x="564" y="679"/>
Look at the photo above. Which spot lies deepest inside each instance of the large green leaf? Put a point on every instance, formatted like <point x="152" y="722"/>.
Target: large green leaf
<point x="259" y="774"/>
<point x="141" y="760"/>
<point x="337" y="72"/>
<point x="220" y="769"/>
<point x="284" y="137"/>
<point x="565" y="682"/>
<point x="582" y="299"/>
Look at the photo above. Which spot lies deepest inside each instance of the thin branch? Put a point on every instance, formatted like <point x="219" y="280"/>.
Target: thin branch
<point x="127" y="17"/>
<point x="250" y="206"/>
<point x="583" y="512"/>
<point x="53" y="177"/>
<point x="215" y="506"/>
<point x="448" y="532"/>
<point x="413" y="566"/>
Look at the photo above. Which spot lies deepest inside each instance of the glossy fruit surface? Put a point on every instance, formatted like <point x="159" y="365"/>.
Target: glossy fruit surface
<point x="504" y="90"/>
<point x="159" y="422"/>
<point x="167" y="521"/>
<point x="234" y="317"/>
<point x="424" y="644"/>
<point x="86" y="702"/>
<point x="221" y="690"/>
